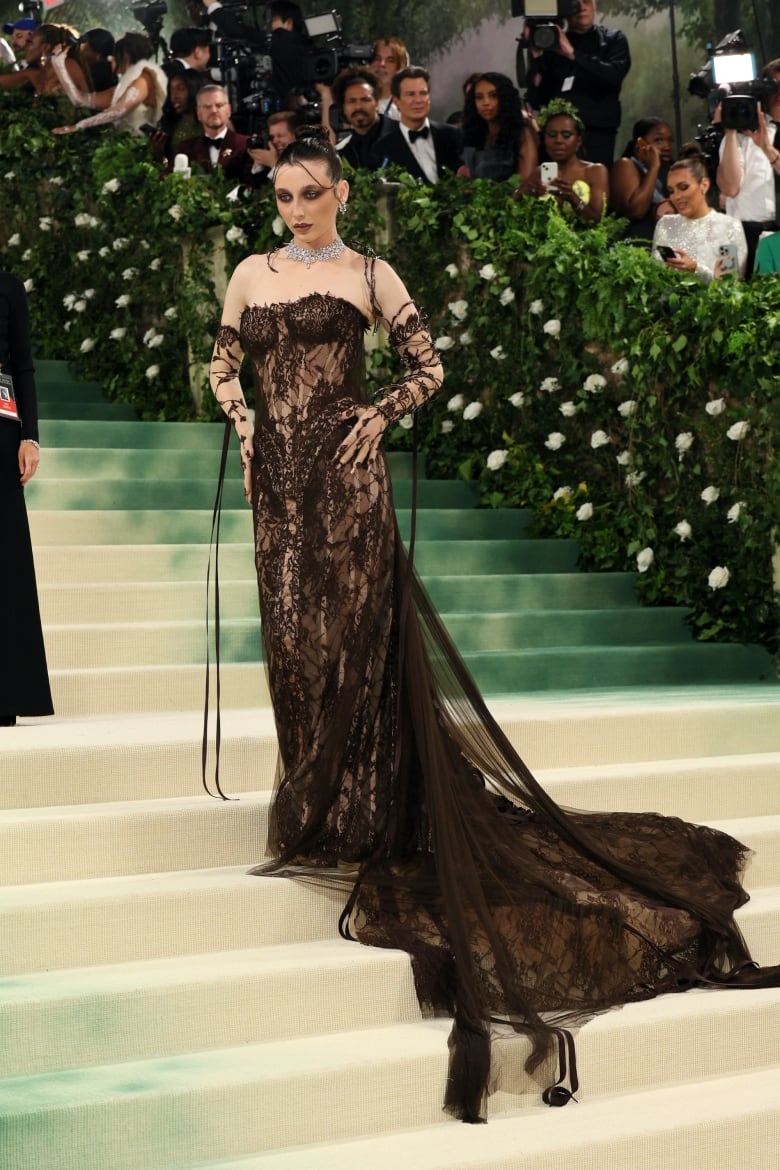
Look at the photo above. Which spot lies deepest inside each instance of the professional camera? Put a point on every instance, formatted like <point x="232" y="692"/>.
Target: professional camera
<point x="329" y="53"/>
<point x="730" y="78"/>
<point x="151" y="17"/>
<point x="545" y="18"/>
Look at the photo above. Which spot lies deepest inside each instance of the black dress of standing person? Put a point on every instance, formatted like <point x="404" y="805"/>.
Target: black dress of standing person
<point x="24" y="679"/>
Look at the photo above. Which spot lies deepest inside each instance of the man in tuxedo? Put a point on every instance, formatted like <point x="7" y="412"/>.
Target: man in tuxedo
<point x="356" y="92"/>
<point x="423" y="148"/>
<point x="190" y="49"/>
<point x="220" y="146"/>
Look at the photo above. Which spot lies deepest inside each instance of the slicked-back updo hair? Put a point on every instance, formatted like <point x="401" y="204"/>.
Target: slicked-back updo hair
<point x="312" y="145"/>
<point x="694" y="164"/>
<point x="640" y="130"/>
<point x="511" y="118"/>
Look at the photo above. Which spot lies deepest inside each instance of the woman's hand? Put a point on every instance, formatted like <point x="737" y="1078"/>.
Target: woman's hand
<point x="362" y="443"/>
<point x="63" y="130"/>
<point x="533" y="185"/>
<point x="29" y="458"/>
<point x="244" y="430"/>
<point x="681" y="262"/>
<point x="565" y="191"/>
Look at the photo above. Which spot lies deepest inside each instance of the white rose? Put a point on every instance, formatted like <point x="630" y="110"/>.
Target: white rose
<point x="9" y="175"/>
<point x="152" y="372"/>
<point x="15" y="240"/>
<point x="451" y="270"/>
<point x="472" y="411"/>
<point x="563" y="493"/>
<point x="459" y="309"/>
<point x="29" y="285"/>
<point x="67" y="325"/>
<point x="738" y="430"/>
<point x="156" y="341"/>
<point x="171" y="314"/>
<point x="517" y="399"/>
<point x="57" y="181"/>
<point x="497" y="459"/>
<point x="683" y="530"/>
<point x="154" y="265"/>
<point x="498" y="353"/>
<point x="149" y="333"/>
<point x="69" y="301"/>
<point x="716" y="407"/>
<point x="466" y="338"/>
<point x="447" y="426"/>
<point x="79" y="306"/>
<point x="507" y="296"/>
<point x="594" y="382"/>
<point x="175" y="211"/>
<point x="536" y="307"/>
<point x="634" y="478"/>
<point x="552" y="327"/>
<point x="487" y="272"/>
<point x="27" y="255"/>
<point x="117" y="334"/>
<point x="554" y="441"/>
<point x="110" y="187"/>
<point x="87" y="344"/>
<point x="584" y="512"/>
<point x="620" y="367"/>
<point x="599" y="439"/>
<point x="406" y="421"/>
<point x="88" y="294"/>
<point x="277" y="227"/>
<point x="123" y="301"/>
<point x="734" y="511"/>
<point x="103" y="252"/>
<point x="683" y="442"/>
<point x="444" y="342"/>
<point x="549" y="385"/>
<point x="710" y="495"/>
<point x="83" y="255"/>
<point x="129" y="273"/>
<point x="235" y="235"/>
<point x="44" y="223"/>
<point x="457" y="402"/>
<point x="119" y="243"/>
<point x="627" y="408"/>
<point x="567" y="409"/>
<point x="623" y="459"/>
<point x="719" y="577"/>
<point x="644" y="559"/>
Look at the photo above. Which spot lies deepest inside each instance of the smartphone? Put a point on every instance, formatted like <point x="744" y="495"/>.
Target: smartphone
<point x="549" y="172"/>
<point x="666" y="252"/>
<point x="148" y="129"/>
<point x="729" y="258"/>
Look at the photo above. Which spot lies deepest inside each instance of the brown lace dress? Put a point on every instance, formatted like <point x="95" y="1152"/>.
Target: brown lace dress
<point x="394" y="778"/>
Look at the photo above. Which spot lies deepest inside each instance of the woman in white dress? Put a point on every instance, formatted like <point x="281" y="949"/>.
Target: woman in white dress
<point x="136" y="99"/>
<point x="697" y="238"/>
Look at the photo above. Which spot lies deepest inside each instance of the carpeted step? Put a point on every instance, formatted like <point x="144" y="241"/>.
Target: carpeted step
<point x="64" y="391"/>
<point x="108" y="435"/>
<point x="157" y="1112"/>
<point x="126" y="689"/>
<point x="727" y="1122"/>
<point x="87" y="411"/>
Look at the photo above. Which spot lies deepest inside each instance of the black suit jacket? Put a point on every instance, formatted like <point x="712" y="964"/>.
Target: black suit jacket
<point x="393" y="148"/>
<point x="233" y="157"/>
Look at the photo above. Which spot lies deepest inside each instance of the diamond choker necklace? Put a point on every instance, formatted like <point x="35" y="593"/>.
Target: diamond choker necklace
<point x="310" y="256"/>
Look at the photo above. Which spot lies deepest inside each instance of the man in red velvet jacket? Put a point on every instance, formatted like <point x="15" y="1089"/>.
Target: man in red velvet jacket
<point x="220" y="145"/>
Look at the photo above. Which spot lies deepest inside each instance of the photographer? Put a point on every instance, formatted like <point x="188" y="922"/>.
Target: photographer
<point x="586" y="66"/>
<point x="749" y="169"/>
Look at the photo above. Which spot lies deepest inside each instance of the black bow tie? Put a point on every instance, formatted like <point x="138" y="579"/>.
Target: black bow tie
<point x="214" y="141"/>
<point x="415" y="134"/>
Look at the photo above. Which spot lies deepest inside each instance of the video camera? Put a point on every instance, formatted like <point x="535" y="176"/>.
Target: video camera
<point x="151" y="15"/>
<point x="730" y="77"/>
<point x="330" y="53"/>
<point x="544" y="18"/>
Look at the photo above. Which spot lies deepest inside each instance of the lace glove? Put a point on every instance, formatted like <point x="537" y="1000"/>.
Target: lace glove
<point x="410" y="337"/>
<point x="226" y="388"/>
<point x="130" y="99"/>
<point x="77" y="96"/>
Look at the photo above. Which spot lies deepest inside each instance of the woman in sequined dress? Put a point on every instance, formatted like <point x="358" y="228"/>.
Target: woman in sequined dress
<point x="394" y="781"/>
<point x="697" y="232"/>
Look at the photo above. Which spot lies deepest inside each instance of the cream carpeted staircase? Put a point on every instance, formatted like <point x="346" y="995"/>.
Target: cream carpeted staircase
<point x="161" y="1010"/>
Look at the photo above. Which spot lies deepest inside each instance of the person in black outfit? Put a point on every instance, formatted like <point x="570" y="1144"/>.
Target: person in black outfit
<point x="95" y="50"/>
<point x="356" y="91"/>
<point x="24" y="680"/>
<point x="587" y="67"/>
<point x="423" y="148"/>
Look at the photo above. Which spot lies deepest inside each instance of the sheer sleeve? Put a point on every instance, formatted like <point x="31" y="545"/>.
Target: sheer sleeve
<point x="409" y="336"/>
<point x="78" y="96"/>
<point x="131" y="98"/>
<point x="225" y="369"/>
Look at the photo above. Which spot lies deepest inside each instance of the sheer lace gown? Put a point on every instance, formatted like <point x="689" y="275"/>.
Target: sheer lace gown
<point x="395" y="780"/>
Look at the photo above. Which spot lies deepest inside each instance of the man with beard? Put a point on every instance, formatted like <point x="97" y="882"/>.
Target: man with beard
<point x="356" y="91"/>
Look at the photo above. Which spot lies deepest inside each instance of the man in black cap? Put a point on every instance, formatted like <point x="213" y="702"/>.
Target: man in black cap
<point x="20" y="32"/>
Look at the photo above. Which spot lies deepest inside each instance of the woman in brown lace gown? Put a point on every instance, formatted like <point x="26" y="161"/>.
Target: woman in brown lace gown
<point x="394" y="779"/>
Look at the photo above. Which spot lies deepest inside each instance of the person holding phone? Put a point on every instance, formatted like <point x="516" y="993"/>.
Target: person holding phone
<point x="697" y="238"/>
<point x="581" y="188"/>
<point x="637" y="181"/>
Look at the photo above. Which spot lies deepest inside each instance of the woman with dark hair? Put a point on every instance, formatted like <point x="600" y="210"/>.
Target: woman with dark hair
<point x="136" y="99"/>
<point x="179" y="122"/>
<point x="40" y="73"/>
<point x="637" y="181"/>
<point x="498" y="137"/>
<point x="24" y="680"/>
<point x="578" y="186"/>
<point x="697" y="238"/>
<point x="96" y="49"/>
<point x="395" y="782"/>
